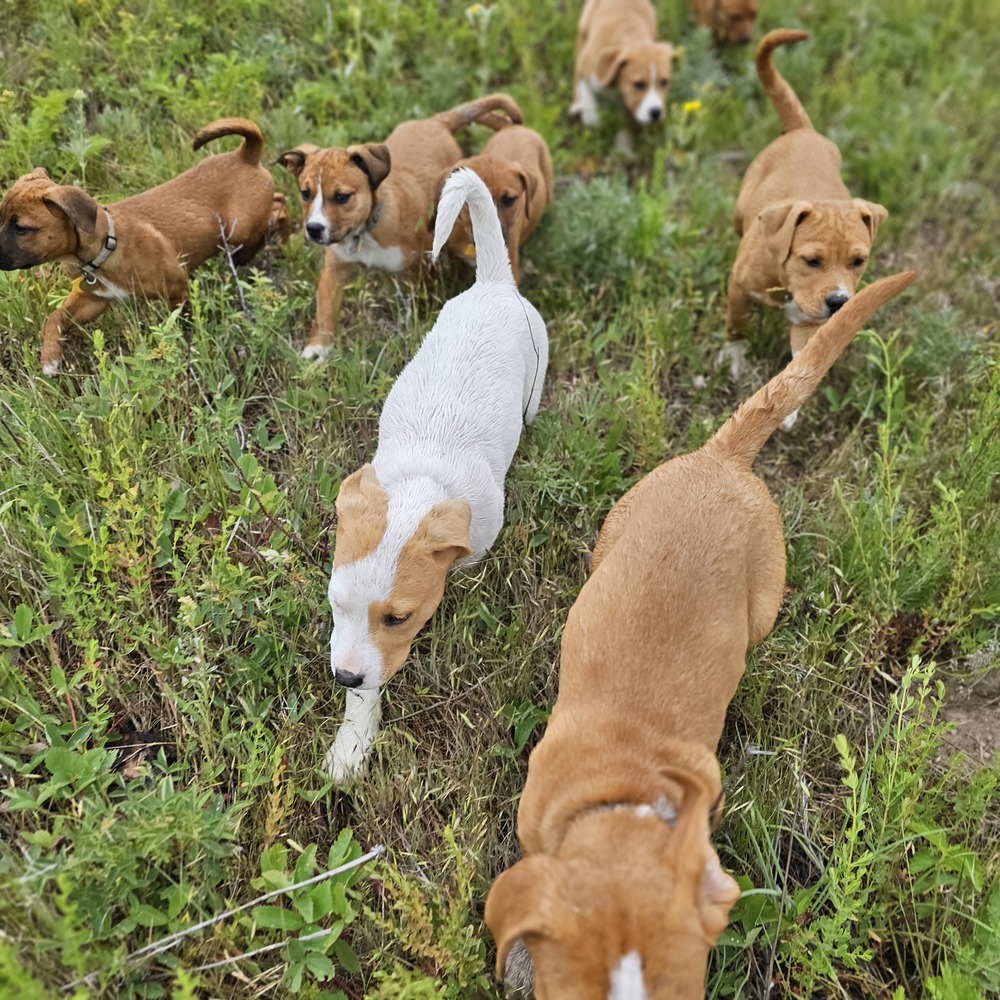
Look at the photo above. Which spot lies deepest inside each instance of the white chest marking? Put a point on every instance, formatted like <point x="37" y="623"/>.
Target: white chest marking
<point x="370" y="253"/>
<point x="106" y="289"/>
<point x="626" y="979"/>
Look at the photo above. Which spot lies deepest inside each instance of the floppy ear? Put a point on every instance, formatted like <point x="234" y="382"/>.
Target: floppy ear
<point x="293" y="160"/>
<point x="39" y="174"/>
<point x="445" y="530"/>
<point x="517" y="902"/>
<point x="530" y="185"/>
<point x="668" y="50"/>
<point x="374" y="160"/>
<point x="872" y="215"/>
<point x="75" y="204"/>
<point x="359" y="486"/>
<point x="779" y="223"/>
<point x="609" y="65"/>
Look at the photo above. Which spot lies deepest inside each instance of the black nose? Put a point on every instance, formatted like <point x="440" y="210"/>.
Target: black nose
<point x="347" y="680"/>
<point x="835" y="300"/>
<point x="315" y="230"/>
<point x="654" y="114"/>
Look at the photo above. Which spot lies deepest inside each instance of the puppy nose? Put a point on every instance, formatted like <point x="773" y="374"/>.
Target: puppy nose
<point x="835" y="300"/>
<point x="315" y="230"/>
<point x="348" y="680"/>
<point x="654" y="114"/>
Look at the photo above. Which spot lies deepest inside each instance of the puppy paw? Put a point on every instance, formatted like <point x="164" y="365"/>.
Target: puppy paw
<point x="316" y="352"/>
<point x="589" y="117"/>
<point x="345" y="760"/>
<point x="732" y="357"/>
<point x="51" y="368"/>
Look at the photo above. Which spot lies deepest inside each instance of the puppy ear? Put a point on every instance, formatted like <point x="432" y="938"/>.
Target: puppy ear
<point x="38" y="174"/>
<point x="358" y="487"/>
<point x="609" y="65"/>
<point x="516" y="904"/>
<point x="445" y="531"/>
<point x="530" y="184"/>
<point x="779" y="223"/>
<point x="293" y="160"/>
<point x="374" y="160"/>
<point x="75" y="204"/>
<point x="872" y="215"/>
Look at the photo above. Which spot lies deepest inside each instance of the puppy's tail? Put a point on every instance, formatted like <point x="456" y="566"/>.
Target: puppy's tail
<point x="253" y="141"/>
<point x="492" y="262"/>
<point x="788" y="106"/>
<point x="743" y="435"/>
<point x="481" y="111"/>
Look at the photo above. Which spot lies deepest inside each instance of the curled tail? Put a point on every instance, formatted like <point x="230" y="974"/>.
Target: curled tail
<point x="253" y="140"/>
<point x="783" y="98"/>
<point x="492" y="261"/>
<point x="481" y="111"/>
<point x="743" y="435"/>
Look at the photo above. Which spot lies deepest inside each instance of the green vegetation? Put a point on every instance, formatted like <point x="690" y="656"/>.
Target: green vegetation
<point x="166" y="508"/>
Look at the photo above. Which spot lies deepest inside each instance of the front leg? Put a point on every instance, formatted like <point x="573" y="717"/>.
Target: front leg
<point x="79" y="307"/>
<point x="585" y="104"/>
<point x="329" y="296"/>
<point x="362" y="715"/>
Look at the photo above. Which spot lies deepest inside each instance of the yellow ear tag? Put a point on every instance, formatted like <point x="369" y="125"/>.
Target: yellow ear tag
<point x="470" y="251"/>
<point x="77" y="285"/>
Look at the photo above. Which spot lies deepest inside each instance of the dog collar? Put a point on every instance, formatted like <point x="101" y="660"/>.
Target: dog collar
<point x="355" y="240"/>
<point x="105" y="252"/>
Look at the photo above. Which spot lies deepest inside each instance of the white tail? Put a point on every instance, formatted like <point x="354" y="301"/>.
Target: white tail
<point x="464" y="185"/>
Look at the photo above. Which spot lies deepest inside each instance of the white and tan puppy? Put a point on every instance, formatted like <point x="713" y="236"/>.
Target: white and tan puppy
<point x="433" y="492"/>
<point x="616" y="48"/>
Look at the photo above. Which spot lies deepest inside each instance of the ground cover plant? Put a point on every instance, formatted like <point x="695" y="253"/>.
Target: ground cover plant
<point x="166" y="514"/>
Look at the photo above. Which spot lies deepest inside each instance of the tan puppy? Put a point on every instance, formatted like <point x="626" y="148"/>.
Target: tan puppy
<point x="805" y="241"/>
<point x="146" y="245"/>
<point x="363" y="214"/>
<point x="620" y="895"/>
<point x="616" y="47"/>
<point x="730" y="21"/>
<point x="517" y="168"/>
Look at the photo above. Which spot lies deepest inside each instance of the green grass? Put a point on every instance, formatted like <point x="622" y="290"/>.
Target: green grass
<point x="166" y="513"/>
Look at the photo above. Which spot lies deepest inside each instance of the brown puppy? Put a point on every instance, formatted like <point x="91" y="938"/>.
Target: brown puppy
<point x="516" y="166"/>
<point x="146" y="245"/>
<point x="730" y="21"/>
<point x="363" y="214"/>
<point x="616" y="47"/>
<point x="620" y="895"/>
<point x="805" y="241"/>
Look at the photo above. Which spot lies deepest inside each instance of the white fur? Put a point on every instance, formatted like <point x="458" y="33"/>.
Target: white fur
<point x="365" y="249"/>
<point x="449" y="429"/>
<point x="586" y="103"/>
<point x="626" y="979"/>
<point x="651" y="102"/>
<point x="317" y="215"/>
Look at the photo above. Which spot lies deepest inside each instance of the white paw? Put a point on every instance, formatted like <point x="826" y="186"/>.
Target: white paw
<point x="316" y="352"/>
<point x="789" y="422"/>
<point x="51" y="368"/>
<point x="623" y="145"/>
<point x="345" y="760"/>
<point x="589" y="117"/>
<point x="732" y="356"/>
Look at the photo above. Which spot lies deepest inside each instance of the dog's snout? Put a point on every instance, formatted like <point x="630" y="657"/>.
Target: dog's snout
<point x="835" y="300"/>
<point x="655" y="114"/>
<point x="348" y="680"/>
<point x="314" y="230"/>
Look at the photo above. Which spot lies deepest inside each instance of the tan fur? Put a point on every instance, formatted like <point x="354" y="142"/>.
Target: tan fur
<point x="805" y="240"/>
<point x="730" y="21"/>
<point x="400" y="176"/>
<point x="516" y="166"/>
<point x="163" y="234"/>
<point x="688" y="573"/>
<point x="616" y="46"/>
<point x="362" y="516"/>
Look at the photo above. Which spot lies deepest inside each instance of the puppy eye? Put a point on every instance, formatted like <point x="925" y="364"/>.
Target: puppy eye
<point x="813" y="262"/>
<point x="639" y="85"/>
<point x="858" y="262"/>
<point x="306" y="194"/>
<point x="341" y="198"/>
<point x="507" y="200"/>
<point x="390" y="621"/>
<point x="664" y="83"/>
<point x="19" y="230"/>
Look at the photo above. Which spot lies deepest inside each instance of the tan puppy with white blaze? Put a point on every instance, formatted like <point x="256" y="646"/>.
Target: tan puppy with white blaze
<point x="619" y="894"/>
<point x="433" y="492"/>
<point x="369" y="204"/>
<point x="616" y="48"/>
<point x="805" y="241"/>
